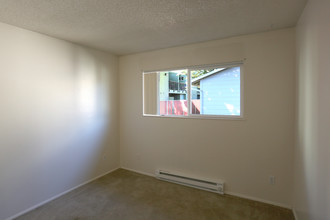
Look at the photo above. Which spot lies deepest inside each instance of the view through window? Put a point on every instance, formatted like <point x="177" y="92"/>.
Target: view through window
<point x="211" y="91"/>
<point x="173" y="92"/>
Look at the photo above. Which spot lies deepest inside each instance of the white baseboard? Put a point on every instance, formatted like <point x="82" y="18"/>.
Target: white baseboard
<point x="58" y="195"/>
<point x="258" y="200"/>
<point x="226" y="192"/>
<point x="147" y="174"/>
<point x="294" y="214"/>
<point x="140" y="172"/>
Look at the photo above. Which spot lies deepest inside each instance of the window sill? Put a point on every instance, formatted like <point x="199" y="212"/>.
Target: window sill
<point x="235" y="118"/>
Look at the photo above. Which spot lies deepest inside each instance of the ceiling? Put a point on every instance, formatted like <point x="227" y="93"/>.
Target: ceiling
<point x="131" y="26"/>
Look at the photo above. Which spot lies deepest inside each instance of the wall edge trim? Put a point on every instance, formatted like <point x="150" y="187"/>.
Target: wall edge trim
<point x="226" y="192"/>
<point x="258" y="200"/>
<point x="59" y="195"/>
<point x="137" y="171"/>
<point x="295" y="214"/>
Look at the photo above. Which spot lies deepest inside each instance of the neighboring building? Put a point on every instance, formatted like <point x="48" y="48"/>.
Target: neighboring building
<point x="172" y="93"/>
<point x="219" y="91"/>
<point x="172" y="86"/>
<point x="213" y="93"/>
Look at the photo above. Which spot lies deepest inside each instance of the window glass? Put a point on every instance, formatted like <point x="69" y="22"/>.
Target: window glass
<point x="216" y="91"/>
<point x="210" y="91"/>
<point x="173" y="92"/>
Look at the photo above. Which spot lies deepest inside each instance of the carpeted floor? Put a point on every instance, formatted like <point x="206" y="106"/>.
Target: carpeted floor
<point x="127" y="195"/>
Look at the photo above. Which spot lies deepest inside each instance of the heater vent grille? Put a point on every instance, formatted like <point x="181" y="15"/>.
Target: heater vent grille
<point x="213" y="186"/>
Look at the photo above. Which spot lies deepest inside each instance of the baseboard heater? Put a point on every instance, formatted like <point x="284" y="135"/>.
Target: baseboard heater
<point x="213" y="186"/>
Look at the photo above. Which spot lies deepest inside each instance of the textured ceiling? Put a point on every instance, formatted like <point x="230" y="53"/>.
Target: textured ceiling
<point x="130" y="26"/>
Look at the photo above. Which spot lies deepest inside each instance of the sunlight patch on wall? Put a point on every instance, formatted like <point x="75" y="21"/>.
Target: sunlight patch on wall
<point x="87" y="86"/>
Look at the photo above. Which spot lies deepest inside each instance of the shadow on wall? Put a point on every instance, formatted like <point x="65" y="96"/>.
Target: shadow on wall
<point x="90" y="136"/>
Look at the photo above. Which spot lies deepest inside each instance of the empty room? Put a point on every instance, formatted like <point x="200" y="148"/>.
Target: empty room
<point x="164" y="109"/>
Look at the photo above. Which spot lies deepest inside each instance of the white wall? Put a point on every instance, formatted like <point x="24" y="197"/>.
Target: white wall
<point x="312" y="152"/>
<point x="58" y="117"/>
<point x="241" y="152"/>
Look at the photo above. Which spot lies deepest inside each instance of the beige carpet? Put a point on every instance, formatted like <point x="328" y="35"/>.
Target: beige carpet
<point x="126" y="195"/>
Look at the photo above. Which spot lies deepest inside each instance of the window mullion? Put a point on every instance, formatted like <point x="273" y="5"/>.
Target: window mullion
<point x="189" y="93"/>
<point x="158" y="98"/>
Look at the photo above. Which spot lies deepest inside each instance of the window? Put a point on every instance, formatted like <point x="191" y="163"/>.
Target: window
<point x="204" y="91"/>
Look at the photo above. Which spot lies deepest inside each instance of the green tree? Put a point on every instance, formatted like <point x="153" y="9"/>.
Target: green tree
<point x="198" y="73"/>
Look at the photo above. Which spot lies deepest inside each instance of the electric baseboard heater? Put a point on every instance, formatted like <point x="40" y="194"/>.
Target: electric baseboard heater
<point x="212" y="186"/>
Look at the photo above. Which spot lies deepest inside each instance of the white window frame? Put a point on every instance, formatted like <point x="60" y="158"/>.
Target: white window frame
<point x="199" y="67"/>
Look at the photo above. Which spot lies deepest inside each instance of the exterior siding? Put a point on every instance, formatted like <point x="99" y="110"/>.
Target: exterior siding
<point x="220" y="93"/>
